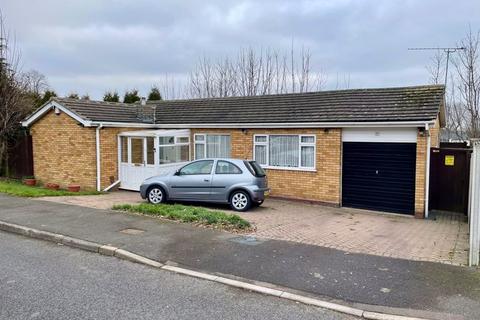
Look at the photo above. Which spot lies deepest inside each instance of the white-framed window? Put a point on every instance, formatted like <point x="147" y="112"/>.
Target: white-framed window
<point x="173" y="149"/>
<point x="261" y="150"/>
<point x="124" y="149"/>
<point x="287" y="151"/>
<point x="212" y="146"/>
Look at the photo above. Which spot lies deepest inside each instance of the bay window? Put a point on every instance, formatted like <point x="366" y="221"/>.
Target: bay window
<point x="285" y="151"/>
<point x="212" y="146"/>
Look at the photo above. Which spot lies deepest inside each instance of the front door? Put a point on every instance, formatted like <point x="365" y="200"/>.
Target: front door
<point x="193" y="181"/>
<point x="137" y="157"/>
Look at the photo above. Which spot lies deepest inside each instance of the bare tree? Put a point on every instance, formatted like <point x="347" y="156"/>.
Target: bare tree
<point x="436" y="68"/>
<point x="35" y="81"/>
<point x="36" y="86"/>
<point x="342" y="82"/>
<point x="253" y="73"/>
<point x="171" y="87"/>
<point x="14" y="100"/>
<point x="462" y="96"/>
<point x="465" y="108"/>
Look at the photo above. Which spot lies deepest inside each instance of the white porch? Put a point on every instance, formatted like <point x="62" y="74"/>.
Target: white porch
<point x="146" y="153"/>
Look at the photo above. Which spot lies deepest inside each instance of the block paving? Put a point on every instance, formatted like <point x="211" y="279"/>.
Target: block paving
<point x="441" y="239"/>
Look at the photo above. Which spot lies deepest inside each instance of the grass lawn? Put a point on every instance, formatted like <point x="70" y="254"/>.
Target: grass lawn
<point x="189" y="214"/>
<point x="16" y="188"/>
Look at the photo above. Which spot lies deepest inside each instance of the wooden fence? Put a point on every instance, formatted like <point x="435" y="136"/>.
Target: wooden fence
<point x="20" y="157"/>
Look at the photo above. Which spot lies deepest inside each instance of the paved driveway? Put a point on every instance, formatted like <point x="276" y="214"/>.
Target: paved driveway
<point x="444" y="239"/>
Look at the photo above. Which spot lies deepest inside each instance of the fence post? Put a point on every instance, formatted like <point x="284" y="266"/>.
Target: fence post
<point x="474" y="205"/>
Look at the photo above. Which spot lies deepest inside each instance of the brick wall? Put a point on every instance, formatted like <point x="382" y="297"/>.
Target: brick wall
<point x="420" y="175"/>
<point x="322" y="185"/>
<point x="421" y="166"/>
<point x="63" y="151"/>
<point x="435" y="134"/>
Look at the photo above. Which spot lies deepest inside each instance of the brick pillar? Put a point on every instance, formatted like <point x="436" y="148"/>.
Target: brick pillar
<point x="420" y="175"/>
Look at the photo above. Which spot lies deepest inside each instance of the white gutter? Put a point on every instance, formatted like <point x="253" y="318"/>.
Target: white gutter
<point x="427" y="170"/>
<point x="97" y="146"/>
<point x="124" y="124"/>
<point x="373" y="124"/>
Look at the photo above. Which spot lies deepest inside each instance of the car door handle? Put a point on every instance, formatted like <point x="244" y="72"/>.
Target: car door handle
<point x="206" y="180"/>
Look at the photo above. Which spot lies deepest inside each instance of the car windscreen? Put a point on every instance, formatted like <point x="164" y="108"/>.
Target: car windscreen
<point x="255" y="168"/>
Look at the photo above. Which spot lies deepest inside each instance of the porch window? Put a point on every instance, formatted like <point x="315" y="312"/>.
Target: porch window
<point x="285" y="151"/>
<point x="150" y="150"/>
<point x="137" y="150"/>
<point x="147" y="153"/>
<point x="124" y="149"/>
<point x="171" y="150"/>
<point x="212" y="146"/>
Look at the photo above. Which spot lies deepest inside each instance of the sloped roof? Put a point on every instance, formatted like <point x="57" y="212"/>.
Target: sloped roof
<point x="419" y="103"/>
<point x="101" y="111"/>
<point x="386" y="104"/>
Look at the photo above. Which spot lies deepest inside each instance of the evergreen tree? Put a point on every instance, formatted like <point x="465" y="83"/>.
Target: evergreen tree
<point x="111" y="96"/>
<point x="47" y="96"/>
<point x="154" y="94"/>
<point x="131" y="96"/>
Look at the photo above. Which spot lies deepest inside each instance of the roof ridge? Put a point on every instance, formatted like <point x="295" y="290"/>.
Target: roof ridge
<point x="84" y="101"/>
<point x="418" y="87"/>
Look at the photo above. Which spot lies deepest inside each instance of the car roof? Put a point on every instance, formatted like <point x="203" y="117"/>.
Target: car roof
<point x="235" y="160"/>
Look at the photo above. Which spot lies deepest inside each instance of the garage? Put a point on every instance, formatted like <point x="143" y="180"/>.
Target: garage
<point x="378" y="169"/>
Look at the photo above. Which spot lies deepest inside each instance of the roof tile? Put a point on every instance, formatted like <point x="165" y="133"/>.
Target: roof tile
<point x="360" y="105"/>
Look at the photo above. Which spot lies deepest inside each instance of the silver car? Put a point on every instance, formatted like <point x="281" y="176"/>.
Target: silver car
<point x="240" y="183"/>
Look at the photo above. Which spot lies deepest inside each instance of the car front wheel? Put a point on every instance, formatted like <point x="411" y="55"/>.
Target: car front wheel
<point x="240" y="201"/>
<point x="156" y="195"/>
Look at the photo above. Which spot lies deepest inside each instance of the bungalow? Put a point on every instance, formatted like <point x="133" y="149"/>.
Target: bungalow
<point x="365" y="148"/>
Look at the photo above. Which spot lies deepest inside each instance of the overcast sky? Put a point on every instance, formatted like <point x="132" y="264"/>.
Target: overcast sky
<point x="90" y="46"/>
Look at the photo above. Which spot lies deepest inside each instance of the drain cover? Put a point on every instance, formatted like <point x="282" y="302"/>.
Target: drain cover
<point x="248" y="240"/>
<point x="132" y="231"/>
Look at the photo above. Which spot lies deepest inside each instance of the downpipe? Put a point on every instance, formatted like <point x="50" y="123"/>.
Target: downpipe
<point x="97" y="147"/>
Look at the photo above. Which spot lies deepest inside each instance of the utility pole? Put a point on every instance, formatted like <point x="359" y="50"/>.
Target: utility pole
<point x="447" y="50"/>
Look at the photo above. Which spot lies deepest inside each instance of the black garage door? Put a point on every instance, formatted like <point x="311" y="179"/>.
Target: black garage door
<point x="379" y="176"/>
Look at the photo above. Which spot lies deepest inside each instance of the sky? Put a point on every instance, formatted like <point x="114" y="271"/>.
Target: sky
<point x="91" y="46"/>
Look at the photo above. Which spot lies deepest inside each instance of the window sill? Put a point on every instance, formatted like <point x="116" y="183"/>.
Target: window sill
<point x="290" y="169"/>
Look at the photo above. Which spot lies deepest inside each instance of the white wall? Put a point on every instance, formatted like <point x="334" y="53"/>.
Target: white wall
<point x="379" y="135"/>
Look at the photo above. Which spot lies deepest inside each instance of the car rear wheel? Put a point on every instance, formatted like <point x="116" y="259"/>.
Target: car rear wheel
<point x="156" y="195"/>
<point x="240" y="201"/>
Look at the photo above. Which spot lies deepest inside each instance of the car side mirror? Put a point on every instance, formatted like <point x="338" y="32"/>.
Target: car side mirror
<point x="177" y="173"/>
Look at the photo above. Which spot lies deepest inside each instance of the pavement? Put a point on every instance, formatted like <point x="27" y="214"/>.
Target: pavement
<point x="385" y="284"/>
<point x="41" y="280"/>
<point x="442" y="239"/>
